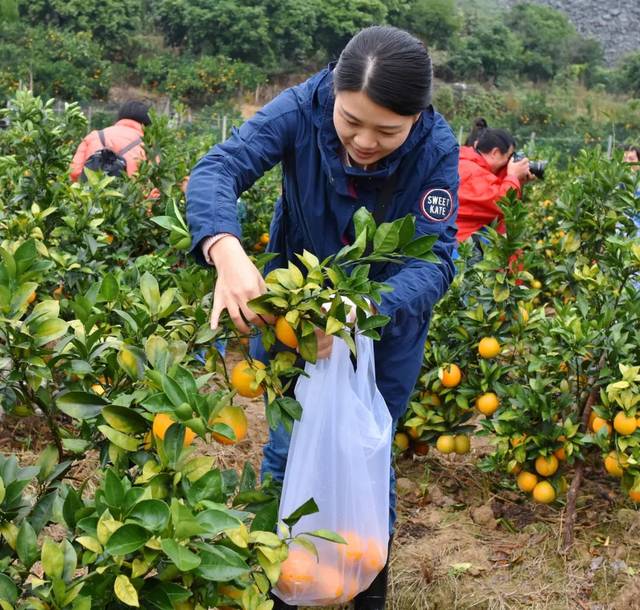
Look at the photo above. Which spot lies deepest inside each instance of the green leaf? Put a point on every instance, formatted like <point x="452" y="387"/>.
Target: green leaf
<point x="363" y="222"/>
<point x="386" y="238"/>
<point x="308" y="508"/>
<point x="48" y="330"/>
<point x="81" y="405"/>
<point x="182" y="557"/>
<point x="27" y="544"/>
<point x="221" y="564"/>
<point x="207" y="487"/>
<point x="500" y="292"/>
<point x="8" y="589"/>
<point x="153" y="515"/>
<point x="125" y="591"/>
<point x="52" y="558"/>
<point x="127" y="539"/>
<point x="47" y="462"/>
<point x="124" y="419"/>
<point x="109" y="287"/>
<point x="128" y="443"/>
<point x="113" y="490"/>
<point x="174" y="442"/>
<point x="131" y="360"/>
<point x="215" y="521"/>
<point x="150" y="292"/>
<point x="327" y="535"/>
<point x="173" y="391"/>
<point x="421" y="246"/>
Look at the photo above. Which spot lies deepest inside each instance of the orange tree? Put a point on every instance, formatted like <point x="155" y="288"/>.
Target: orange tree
<point x="566" y="255"/>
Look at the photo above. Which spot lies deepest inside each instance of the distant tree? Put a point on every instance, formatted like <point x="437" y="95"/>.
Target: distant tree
<point x="8" y="11"/>
<point x="434" y="21"/>
<point x="110" y="22"/>
<point x="488" y="51"/>
<point x="628" y="74"/>
<point x="546" y="36"/>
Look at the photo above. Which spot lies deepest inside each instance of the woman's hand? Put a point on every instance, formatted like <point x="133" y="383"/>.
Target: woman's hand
<point x="325" y="344"/>
<point x="520" y="170"/>
<point x="238" y="282"/>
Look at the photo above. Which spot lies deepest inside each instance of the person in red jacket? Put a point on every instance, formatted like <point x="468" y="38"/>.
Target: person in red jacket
<point x="487" y="173"/>
<point x="132" y="119"/>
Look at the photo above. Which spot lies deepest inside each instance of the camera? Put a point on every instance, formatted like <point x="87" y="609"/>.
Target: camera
<point x="535" y="167"/>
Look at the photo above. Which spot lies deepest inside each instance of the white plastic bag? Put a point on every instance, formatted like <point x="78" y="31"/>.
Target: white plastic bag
<point x="340" y="456"/>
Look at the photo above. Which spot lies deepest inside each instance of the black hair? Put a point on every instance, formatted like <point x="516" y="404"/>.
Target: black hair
<point x="136" y="111"/>
<point x="389" y="65"/>
<point x="633" y="148"/>
<point x="479" y="125"/>
<point x="489" y="138"/>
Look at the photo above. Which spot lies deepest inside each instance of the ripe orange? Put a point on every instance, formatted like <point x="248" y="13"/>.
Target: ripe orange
<point x="515" y="468"/>
<point x="624" y="424"/>
<point x="430" y="399"/>
<point x="328" y="583"/>
<point x="96" y="388"/>
<point x="561" y="453"/>
<point x="354" y="549"/>
<point x="546" y="465"/>
<point x="243" y="378"/>
<point x="236" y="419"/>
<point x="635" y="495"/>
<point x="488" y="347"/>
<point x="599" y="422"/>
<point x="446" y="443"/>
<point x="297" y="571"/>
<point x="615" y="463"/>
<point x="544" y="493"/>
<point x="285" y="334"/>
<point x="518" y="440"/>
<point x="401" y="440"/>
<point x="374" y="556"/>
<point x="536" y="284"/>
<point x="592" y="416"/>
<point x="462" y="444"/>
<point x="109" y="238"/>
<point x="526" y="481"/>
<point x="162" y="422"/>
<point x="264" y="239"/>
<point x="32" y="297"/>
<point x="488" y="403"/>
<point x="421" y="447"/>
<point x="414" y="433"/>
<point x="450" y="375"/>
<point x="58" y="293"/>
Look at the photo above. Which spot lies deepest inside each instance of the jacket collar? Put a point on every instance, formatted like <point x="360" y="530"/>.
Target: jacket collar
<point x="131" y="124"/>
<point x="330" y="146"/>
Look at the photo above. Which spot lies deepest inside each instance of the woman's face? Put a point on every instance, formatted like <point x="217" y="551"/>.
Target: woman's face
<point x="497" y="160"/>
<point x="367" y="131"/>
<point x="631" y="156"/>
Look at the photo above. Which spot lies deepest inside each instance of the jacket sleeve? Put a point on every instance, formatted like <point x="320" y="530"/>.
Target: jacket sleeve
<point x="231" y="167"/>
<point x="483" y="192"/>
<point x="418" y="285"/>
<point x="78" y="161"/>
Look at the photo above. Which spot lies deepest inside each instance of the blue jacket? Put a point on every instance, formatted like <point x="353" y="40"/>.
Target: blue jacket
<point x="320" y="196"/>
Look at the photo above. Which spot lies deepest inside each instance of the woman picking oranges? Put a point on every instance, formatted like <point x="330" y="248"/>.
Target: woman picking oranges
<point x="360" y="132"/>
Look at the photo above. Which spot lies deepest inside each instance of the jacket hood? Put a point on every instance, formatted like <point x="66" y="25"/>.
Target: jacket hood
<point x="322" y="103"/>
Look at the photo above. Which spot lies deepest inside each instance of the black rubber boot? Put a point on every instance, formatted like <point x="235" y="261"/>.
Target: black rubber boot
<point x="278" y="604"/>
<point x="375" y="597"/>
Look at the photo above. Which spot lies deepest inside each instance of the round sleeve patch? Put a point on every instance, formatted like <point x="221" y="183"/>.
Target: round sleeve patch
<point x="436" y="205"/>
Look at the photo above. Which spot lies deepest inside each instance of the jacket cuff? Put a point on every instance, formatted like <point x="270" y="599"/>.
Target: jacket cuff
<point x="210" y="241"/>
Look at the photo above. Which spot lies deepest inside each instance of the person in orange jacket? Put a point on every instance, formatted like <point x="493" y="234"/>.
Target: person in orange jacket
<point x="133" y="116"/>
<point x="487" y="173"/>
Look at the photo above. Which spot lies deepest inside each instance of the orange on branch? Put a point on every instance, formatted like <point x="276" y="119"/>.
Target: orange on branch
<point x="243" y="377"/>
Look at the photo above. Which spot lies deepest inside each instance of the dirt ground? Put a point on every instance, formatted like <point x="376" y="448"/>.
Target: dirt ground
<point x="465" y="539"/>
